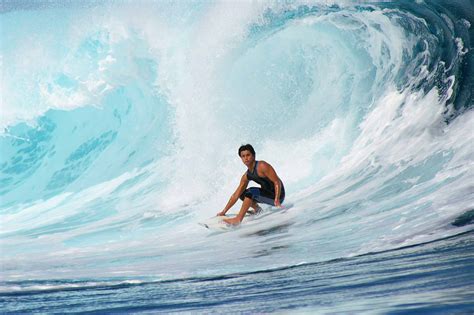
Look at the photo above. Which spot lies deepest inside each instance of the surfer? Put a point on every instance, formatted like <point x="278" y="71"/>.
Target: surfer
<point x="271" y="192"/>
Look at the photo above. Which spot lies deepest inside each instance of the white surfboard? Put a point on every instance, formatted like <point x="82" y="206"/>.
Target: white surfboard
<point x="216" y="224"/>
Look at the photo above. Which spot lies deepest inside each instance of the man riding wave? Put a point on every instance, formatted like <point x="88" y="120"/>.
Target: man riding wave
<point x="271" y="190"/>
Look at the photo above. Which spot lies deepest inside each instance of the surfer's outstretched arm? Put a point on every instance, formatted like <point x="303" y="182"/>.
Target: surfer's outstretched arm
<point x="235" y="196"/>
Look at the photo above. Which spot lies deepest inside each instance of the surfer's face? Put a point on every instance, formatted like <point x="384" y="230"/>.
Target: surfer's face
<point x="247" y="157"/>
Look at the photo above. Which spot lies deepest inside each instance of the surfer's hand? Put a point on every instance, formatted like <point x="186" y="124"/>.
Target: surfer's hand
<point x="221" y="213"/>
<point x="277" y="203"/>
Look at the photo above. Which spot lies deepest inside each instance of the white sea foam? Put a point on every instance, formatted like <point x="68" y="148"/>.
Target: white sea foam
<point x="330" y="99"/>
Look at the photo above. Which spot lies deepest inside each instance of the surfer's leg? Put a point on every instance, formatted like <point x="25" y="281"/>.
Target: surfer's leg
<point x="251" y="193"/>
<point x="245" y="206"/>
<point x="256" y="208"/>
<point x="268" y="197"/>
<point x="255" y="205"/>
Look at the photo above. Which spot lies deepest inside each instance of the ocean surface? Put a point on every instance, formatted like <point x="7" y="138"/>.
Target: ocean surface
<point x="119" y="128"/>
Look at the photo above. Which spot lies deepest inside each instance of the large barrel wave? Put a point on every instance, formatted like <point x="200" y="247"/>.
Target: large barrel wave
<point x="121" y="123"/>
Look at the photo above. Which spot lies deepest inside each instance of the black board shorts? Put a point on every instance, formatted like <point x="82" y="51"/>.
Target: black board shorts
<point x="262" y="196"/>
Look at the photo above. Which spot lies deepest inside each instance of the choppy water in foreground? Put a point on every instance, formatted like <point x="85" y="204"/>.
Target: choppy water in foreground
<point x="434" y="278"/>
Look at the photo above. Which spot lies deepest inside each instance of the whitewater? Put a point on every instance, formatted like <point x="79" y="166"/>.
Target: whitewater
<point x="119" y="128"/>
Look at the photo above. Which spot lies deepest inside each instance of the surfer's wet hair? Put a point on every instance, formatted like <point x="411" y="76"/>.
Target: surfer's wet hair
<point x="247" y="147"/>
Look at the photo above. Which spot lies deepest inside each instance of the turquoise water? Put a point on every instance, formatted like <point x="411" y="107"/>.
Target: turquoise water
<point x="120" y="126"/>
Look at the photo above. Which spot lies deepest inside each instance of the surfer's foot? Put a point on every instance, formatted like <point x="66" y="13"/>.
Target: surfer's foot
<point x="256" y="211"/>
<point x="232" y="221"/>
